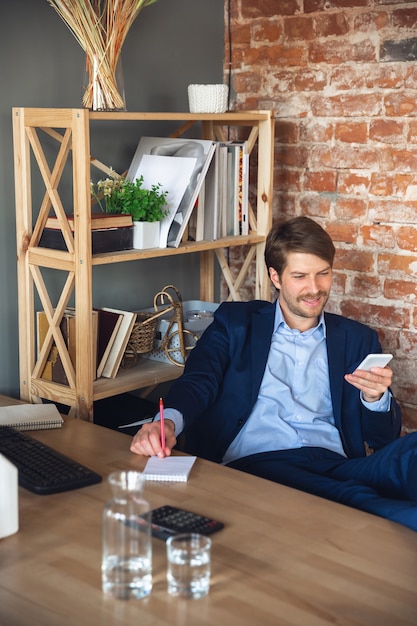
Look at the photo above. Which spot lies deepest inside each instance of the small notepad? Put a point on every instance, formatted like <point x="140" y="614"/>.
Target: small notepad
<point x="31" y="416"/>
<point x="171" y="468"/>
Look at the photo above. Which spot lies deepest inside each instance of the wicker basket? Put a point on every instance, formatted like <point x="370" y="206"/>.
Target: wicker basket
<point x="142" y="338"/>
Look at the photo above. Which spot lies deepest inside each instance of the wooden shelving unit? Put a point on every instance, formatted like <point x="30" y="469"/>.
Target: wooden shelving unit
<point x="71" y="128"/>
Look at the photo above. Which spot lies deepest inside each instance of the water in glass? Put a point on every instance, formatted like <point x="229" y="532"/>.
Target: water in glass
<point x="127" y="545"/>
<point x="188" y="571"/>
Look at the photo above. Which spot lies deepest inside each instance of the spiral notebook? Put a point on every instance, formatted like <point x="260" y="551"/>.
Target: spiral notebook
<point x="31" y="416"/>
<point x="171" y="468"/>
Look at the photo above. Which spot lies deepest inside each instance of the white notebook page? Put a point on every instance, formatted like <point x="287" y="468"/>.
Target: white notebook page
<point x="170" y="468"/>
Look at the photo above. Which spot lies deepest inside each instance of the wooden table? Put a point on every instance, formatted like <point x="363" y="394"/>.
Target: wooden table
<point x="284" y="557"/>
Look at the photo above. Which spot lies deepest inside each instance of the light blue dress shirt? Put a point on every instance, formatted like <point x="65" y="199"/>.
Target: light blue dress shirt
<point x="294" y="407"/>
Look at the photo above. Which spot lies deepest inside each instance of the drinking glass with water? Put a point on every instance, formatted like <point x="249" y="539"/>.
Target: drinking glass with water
<point x="188" y="572"/>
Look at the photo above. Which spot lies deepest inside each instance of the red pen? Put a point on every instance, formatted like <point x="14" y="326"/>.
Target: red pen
<point x="161" y="415"/>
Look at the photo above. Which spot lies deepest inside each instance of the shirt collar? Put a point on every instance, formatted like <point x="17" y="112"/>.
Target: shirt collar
<point x="280" y="323"/>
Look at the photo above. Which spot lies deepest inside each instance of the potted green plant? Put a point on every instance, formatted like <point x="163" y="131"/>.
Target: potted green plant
<point x="146" y="206"/>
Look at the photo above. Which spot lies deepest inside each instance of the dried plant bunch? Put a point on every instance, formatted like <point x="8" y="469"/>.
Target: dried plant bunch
<point x="101" y="27"/>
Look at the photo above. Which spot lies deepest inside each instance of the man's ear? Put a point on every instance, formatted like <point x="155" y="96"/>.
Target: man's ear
<point x="273" y="275"/>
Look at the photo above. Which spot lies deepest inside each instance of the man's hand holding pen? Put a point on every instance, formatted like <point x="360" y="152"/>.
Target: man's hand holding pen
<point x="147" y="440"/>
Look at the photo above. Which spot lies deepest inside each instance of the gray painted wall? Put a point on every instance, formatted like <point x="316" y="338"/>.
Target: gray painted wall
<point x="171" y="44"/>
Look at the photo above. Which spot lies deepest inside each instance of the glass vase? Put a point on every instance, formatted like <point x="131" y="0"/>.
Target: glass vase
<point x="104" y="85"/>
<point x="127" y="544"/>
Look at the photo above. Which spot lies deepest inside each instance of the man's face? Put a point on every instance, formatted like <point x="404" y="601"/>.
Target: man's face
<point x="304" y="289"/>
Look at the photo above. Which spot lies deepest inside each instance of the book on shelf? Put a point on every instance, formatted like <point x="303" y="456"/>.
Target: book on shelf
<point x="224" y="166"/>
<point x="31" y="416"/>
<point x="240" y="183"/>
<point x="98" y="221"/>
<point x="108" y="326"/>
<point x="245" y="191"/>
<point x="54" y="369"/>
<point x="198" y="214"/>
<point x="231" y="207"/>
<point x="180" y="166"/>
<point x="211" y="198"/>
<point x="112" y="364"/>
<point x="68" y="332"/>
<point x="195" y="226"/>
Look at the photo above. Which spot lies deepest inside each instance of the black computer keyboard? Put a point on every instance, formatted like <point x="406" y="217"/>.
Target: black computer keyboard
<point x="40" y="468"/>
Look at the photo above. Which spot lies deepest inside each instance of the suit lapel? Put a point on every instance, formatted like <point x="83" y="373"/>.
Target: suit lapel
<point x="262" y="328"/>
<point x="336" y="351"/>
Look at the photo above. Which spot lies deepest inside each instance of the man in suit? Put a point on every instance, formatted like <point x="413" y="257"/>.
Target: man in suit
<point x="273" y="389"/>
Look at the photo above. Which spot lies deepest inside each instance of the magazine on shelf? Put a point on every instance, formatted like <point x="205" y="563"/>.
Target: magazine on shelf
<point x="180" y="166"/>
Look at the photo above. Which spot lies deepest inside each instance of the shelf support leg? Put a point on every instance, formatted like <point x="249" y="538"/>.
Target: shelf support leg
<point x="207" y="276"/>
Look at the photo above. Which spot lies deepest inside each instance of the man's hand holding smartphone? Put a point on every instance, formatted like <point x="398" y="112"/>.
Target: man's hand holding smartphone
<point x="372" y="384"/>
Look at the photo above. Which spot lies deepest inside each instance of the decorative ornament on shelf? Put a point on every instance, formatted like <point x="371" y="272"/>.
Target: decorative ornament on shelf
<point x="208" y="98"/>
<point x="101" y="27"/>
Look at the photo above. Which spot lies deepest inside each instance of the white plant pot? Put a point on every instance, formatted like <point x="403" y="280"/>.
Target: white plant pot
<point x="145" y="235"/>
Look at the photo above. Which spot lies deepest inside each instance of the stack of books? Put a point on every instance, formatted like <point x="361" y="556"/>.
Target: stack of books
<point x="223" y="204"/>
<point x="207" y="184"/>
<point x="111" y="332"/>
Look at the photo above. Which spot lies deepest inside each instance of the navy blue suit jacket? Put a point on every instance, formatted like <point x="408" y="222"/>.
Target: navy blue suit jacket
<point x="224" y="372"/>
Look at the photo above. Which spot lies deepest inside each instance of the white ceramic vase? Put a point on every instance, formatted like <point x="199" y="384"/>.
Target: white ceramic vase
<point x="145" y="235"/>
<point x="9" y="498"/>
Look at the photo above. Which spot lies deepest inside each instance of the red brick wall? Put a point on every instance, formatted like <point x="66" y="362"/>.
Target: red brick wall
<point x="341" y="76"/>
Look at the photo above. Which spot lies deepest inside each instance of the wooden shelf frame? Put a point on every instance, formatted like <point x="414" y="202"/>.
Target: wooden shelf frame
<point x="71" y="129"/>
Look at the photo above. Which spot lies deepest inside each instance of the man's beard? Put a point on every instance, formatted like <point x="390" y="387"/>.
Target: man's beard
<point x="297" y="309"/>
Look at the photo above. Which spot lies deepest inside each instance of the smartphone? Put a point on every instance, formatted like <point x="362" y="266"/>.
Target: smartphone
<point x="374" y="360"/>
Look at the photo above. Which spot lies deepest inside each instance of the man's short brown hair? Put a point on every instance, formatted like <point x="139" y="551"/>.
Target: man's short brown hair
<point x="300" y="234"/>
